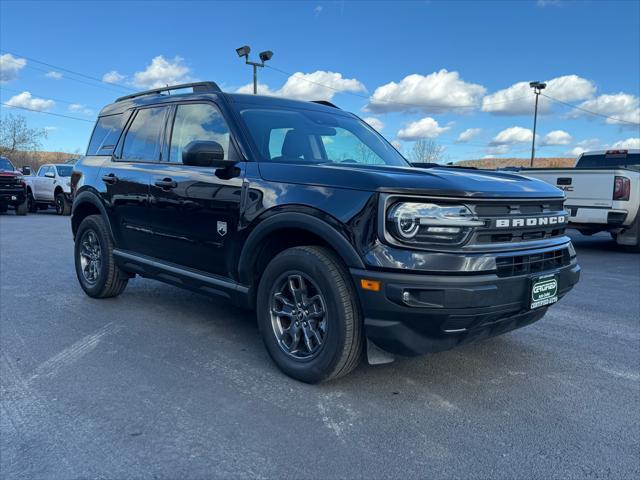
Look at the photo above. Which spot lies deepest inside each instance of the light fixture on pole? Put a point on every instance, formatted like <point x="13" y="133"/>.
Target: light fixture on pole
<point x="264" y="57"/>
<point x="537" y="88"/>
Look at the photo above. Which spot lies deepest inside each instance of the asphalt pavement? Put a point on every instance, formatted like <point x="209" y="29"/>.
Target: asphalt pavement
<point x="165" y="383"/>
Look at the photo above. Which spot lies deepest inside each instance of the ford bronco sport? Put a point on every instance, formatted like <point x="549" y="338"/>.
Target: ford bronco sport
<point x="301" y="211"/>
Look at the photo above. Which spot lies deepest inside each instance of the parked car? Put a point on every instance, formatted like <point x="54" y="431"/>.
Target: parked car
<point x="12" y="188"/>
<point x="603" y="193"/>
<point x="303" y="212"/>
<point x="50" y="187"/>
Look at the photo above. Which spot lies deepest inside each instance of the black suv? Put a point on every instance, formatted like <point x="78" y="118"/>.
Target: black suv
<point x="305" y="213"/>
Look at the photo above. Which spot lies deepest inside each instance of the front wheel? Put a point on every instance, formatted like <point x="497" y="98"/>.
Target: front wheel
<point x="96" y="270"/>
<point x="63" y="206"/>
<point x="31" y="203"/>
<point x="309" y="315"/>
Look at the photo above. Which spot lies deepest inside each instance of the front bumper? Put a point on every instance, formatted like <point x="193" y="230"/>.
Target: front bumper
<point x="439" y="312"/>
<point x="13" y="196"/>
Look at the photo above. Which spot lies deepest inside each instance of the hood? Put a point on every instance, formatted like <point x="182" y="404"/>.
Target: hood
<point x="437" y="181"/>
<point x="10" y="173"/>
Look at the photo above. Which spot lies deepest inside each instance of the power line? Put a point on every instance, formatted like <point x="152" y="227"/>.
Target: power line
<point x="48" y="113"/>
<point x="68" y="70"/>
<point x="589" y="111"/>
<point x="47" y="97"/>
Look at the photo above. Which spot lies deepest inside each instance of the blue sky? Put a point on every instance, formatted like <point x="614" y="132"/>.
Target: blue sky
<point x="450" y="71"/>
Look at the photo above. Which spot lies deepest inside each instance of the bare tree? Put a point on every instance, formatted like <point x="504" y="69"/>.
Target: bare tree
<point x="426" y="151"/>
<point x="15" y="135"/>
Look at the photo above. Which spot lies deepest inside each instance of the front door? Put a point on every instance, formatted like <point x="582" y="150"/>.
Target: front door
<point x="126" y="179"/>
<point x="195" y="210"/>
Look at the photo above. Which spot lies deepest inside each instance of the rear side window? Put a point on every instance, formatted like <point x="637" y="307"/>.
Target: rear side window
<point x="142" y="142"/>
<point x="105" y="135"/>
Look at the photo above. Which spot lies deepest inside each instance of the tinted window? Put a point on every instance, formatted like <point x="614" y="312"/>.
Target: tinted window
<point x="64" y="170"/>
<point x="5" y="164"/>
<point x="42" y="171"/>
<point x="197" y="121"/>
<point x="311" y="136"/>
<point x="142" y="142"/>
<point x="631" y="160"/>
<point x="105" y="135"/>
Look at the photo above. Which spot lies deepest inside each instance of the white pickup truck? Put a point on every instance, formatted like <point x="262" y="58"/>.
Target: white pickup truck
<point x="50" y="187"/>
<point x="603" y="193"/>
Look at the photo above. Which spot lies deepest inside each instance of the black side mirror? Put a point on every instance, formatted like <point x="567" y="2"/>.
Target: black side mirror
<point x="207" y="153"/>
<point x="26" y="170"/>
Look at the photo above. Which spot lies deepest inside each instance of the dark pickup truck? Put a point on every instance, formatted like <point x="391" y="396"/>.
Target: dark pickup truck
<point x="13" y="190"/>
<point x="301" y="211"/>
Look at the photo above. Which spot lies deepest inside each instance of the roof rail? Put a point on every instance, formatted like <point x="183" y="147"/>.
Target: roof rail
<point x="198" y="87"/>
<point x="326" y="103"/>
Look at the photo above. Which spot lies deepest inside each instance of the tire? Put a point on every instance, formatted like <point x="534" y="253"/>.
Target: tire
<point x="63" y="206"/>
<point x="31" y="203"/>
<point x="328" y="282"/>
<point x="3" y="208"/>
<point x="109" y="280"/>
<point x="22" y="209"/>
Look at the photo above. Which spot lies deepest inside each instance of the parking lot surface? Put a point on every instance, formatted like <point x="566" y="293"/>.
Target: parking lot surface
<point x="164" y="383"/>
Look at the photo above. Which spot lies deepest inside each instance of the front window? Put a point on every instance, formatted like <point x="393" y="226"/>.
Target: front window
<point x="309" y="136"/>
<point x="64" y="170"/>
<point x="5" y="164"/>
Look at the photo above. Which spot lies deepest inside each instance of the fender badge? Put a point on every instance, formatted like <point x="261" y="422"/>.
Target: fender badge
<point x="222" y="228"/>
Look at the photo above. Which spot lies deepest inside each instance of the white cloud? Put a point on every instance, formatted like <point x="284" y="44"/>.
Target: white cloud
<point x="548" y="3"/>
<point x="161" y="72"/>
<point x="112" y="77"/>
<point x="496" y="150"/>
<point x="518" y="99"/>
<point x="621" y="106"/>
<point x="424" y="128"/>
<point x="577" y="151"/>
<point x="319" y="85"/>
<point x="468" y="134"/>
<point x="375" y="123"/>
<point x="79" y="108"/>
<point x="397" y="145"/>
<point x="433" y="93"/>
<point x="318" y="10"/>
<point x="53" y="74"/>
<point x="633" y="142"/>
<point x="512" y="135"/>
<point x="10" y="66"/>
<point x="585" y="146"/>
<point x="25" y="100"/>
<point x="556" y="137"/>
<point x="50" y="129"/>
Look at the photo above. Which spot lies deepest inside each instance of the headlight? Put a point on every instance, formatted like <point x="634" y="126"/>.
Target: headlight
<point x="430" y="223"/>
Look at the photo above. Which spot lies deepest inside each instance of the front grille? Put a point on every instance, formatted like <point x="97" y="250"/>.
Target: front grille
<point x="534" y="263"/>
<point x="490" y="212"/>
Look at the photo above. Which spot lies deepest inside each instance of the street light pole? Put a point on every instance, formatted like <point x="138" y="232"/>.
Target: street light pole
<point x="537" y="88"/>
<point x="264" y="56"/>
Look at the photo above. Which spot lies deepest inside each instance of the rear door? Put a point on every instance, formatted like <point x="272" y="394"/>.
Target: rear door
<point x="126" y="178"/>
<point x="195" y="210"/>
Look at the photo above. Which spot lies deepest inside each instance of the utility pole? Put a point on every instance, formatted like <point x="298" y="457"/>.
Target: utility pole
<point x="264" y="56"/>
<point x="537" y="88"/>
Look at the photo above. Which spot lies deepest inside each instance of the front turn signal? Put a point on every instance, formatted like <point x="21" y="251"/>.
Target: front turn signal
<point x="372" y="285"/>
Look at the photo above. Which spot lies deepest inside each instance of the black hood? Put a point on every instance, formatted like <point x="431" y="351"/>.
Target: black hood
<point x="437" y="181"/>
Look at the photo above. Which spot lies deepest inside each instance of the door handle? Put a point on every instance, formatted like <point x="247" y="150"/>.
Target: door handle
<point x="166" y="183"/>
<point x="110" y="179"/>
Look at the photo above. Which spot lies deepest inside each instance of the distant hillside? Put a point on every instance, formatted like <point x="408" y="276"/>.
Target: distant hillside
<point x="493" y="163"/>
<point x="35" y="159"/>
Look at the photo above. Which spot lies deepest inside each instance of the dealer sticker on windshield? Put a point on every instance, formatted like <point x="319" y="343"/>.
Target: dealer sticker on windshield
<point x="544" y="291"/>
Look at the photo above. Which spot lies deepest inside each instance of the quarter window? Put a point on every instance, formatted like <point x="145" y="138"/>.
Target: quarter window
<point x="143" y="140"/>
<point x="105" y="135"/>
<point x="197" y="121"/>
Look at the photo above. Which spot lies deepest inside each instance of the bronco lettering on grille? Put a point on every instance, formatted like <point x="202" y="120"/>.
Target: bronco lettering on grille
<point x="530" y="222"/>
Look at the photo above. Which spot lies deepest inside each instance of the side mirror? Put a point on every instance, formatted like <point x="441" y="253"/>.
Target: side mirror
<point x="50" y="175"/>
<point x="26" y="170"/>
<point x="205" y="154"/>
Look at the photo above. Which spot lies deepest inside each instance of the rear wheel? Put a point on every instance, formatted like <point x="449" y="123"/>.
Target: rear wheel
<point x="309" y="316"/>
<point x="96" y="270"/>
<point x="63" y="206"/>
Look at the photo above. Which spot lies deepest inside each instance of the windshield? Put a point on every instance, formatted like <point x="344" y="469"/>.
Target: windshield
<point x="630" y="161"/>
<point x="64" y="170"/>
<point x="309" y="136"/>
<point x="5" y="164"/>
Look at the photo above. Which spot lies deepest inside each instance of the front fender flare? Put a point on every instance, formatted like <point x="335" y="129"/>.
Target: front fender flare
<point x="304" y="221"/>
<point x="88" y="196"/>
